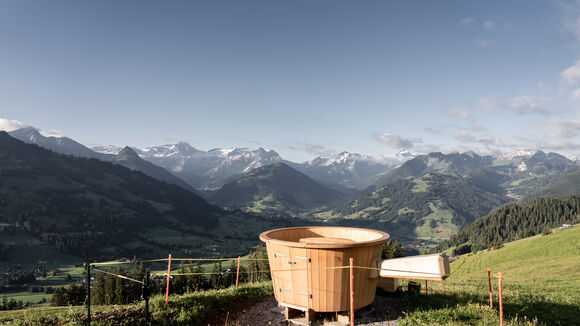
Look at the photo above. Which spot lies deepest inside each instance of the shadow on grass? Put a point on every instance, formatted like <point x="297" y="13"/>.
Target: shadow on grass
<point x="523" y="306"/>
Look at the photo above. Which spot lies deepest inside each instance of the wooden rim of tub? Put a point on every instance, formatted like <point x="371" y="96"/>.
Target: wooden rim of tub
<point x="329" y="237"/>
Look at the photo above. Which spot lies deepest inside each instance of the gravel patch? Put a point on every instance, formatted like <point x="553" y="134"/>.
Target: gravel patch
<point x="384" y="311"/>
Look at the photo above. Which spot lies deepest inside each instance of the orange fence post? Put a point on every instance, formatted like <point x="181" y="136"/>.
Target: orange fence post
<point x="489" y="280"/>
<point x="168" y="273"/>
<point x="426" y="288"/>
<point x="500" y="300"/>
<point x="238" y="272"/>
<point x="352" y="291"/>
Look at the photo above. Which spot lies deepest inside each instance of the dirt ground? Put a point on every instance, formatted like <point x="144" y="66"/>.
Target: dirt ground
<point x="384" y="311"/>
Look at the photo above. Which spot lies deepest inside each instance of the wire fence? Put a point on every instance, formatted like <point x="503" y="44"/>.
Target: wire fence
<point x="145" y="282"/>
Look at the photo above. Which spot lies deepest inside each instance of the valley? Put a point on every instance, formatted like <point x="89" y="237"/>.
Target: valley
<point x="59" y="210"/>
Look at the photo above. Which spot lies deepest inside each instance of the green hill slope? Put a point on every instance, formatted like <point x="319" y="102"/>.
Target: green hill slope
<point x="540" y="285"/>
<point x="541" y="276"/>
<point x="565" y="184"/>
<point x="51" y="202"/>
<point x="276" y="187"/>
<point x="515" y="221"/>
<point x="433" y="205"/>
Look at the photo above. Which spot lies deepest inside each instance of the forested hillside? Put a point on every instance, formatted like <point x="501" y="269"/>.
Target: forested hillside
<point x="276" y="188"/>
<point x="433" y="205"/>
<point x="515" y="221"/>
<point x="87" y="206"/>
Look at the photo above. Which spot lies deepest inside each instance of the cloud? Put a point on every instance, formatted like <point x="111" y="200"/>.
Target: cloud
<point x="563" y="128"/>
<point x="464" y="114"/>
<point x="575" y="94"/>
<point x="465" y="137"/>
<point x="490" y="102"/>
<point x="484" y="43"/>
<point x="394" y="141"/>
<point x="432" y="130"/>
<point x="313" y="149"/>
<point x="488" y="141"/>
<point x="10" y="125"/>
<point x="489" y="25"/>
<point x="529" y="104"/>
<point x="51" y="133"/>
<point x="572" y="73"/>
<point x="571" y="22"/>
<point x="467" y="20"/>
<point x="250" y="141"/>
<point x="427" y="148"/>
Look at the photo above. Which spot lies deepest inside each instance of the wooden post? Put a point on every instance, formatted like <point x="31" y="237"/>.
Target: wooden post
<point x="238" y="272"/>
<point x="426" y="288"/>
<point x="88" y="266"/>
<point x="489" y="281"/>
<point x="146" y="295"/>
<point x="352" y="291"/>
<point x="500" y="300"/>
<point x="168" y="275"/>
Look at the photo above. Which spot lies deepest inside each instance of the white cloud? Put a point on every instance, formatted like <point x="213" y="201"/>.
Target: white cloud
<point x="51" y="133"/>
<point x="394" y="141"/>
<point x="313" y="149"/>
<point x="490" y="102"/>
<point x="572" y="73"/>
<point x="464" y="137"/>
<point x="526" y="104"/>
<point x="491" y="141"/>
<point x="529" y="104"/>
<point x="467" y="20"/>
<point x="489" y="25"/>
<point x="432" y="130"/>
<point x="563" y="128"/>
<point x="571" y="21"/>
<point x="575" y="94"/>
<point x="462" y="113"/>
<point x="10" y="125"/>
<point x="484" y="43"/>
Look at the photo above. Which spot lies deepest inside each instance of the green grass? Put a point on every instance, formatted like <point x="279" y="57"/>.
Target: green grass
<point x="25" y="296"/>
<point x="541" y="286"/>
<point x="445" y="227"/>
<point x="541" y="282"/>
<point x="420" y="185"/>
<point x="188" y="309"/>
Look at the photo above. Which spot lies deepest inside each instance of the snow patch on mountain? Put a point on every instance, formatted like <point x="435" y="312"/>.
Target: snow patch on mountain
<point x="516" y="154"/>
<point x="107" y="149"/>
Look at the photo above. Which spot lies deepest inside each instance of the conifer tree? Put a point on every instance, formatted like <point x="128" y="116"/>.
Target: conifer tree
<point x="109" y="288"/>
<point x="120" y="293"/>
<point x="214" y="278"/>
<point x="199" y="281"/>
<point x="98" y="289"/>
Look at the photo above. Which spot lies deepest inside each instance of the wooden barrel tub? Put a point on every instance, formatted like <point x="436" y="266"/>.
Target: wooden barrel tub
<point x="303" y="263"/>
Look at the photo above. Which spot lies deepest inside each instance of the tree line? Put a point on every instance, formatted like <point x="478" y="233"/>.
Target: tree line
<point x="514" y="221"/>
<point x="109" y="289"/>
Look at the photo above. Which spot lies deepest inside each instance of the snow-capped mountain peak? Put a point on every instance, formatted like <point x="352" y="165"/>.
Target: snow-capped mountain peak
<point x="517" y="154"/>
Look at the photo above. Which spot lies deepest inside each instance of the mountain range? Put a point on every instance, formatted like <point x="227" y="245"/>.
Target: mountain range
<point x="276" y="187"/>
<point x="54" y="205"/>
<point x="349" y="187"/>
<point x="517" y="173"/>
<point x="207" y="171"/>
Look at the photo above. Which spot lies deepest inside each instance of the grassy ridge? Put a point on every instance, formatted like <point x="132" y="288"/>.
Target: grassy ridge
<point x="541" y="281"/>
<point x="541" y="286"/>
<point x="187" y="309"/>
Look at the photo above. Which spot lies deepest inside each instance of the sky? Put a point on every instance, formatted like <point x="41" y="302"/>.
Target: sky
<point x="305" y="78"/>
